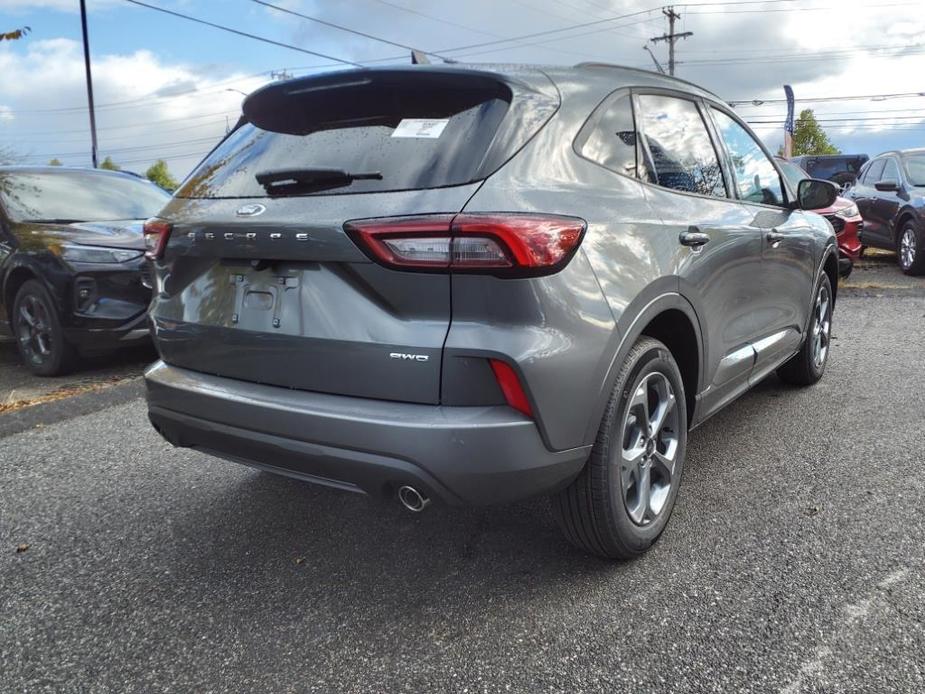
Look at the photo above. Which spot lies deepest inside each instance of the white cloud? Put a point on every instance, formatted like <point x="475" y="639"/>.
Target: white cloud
<point x="146" y="108"/>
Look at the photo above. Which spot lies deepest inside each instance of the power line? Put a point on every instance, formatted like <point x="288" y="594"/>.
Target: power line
<point x="879" y="119"/>
<point x="804" y="9"/>
<point x="28" y="133"/>
<point x="341" y="28"/>
<point x="243" y="33"/>
<point x="536" y="34"/>
<point x="433" y="18"/>
<point x="801" y="57"/>
<point x="826" y="99"/>
<point x="550" y="40"/>
<point x="129" y="150"/>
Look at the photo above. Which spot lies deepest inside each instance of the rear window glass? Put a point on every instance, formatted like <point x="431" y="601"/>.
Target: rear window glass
<point x="401" y="131"/>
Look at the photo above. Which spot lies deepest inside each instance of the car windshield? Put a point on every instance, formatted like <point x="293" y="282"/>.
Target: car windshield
<point x="78" y="196"/>
<point x="915" y="168"/>
<point x="793" y="173"/>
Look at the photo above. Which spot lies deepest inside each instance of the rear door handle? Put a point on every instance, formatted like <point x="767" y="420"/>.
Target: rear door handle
<point x="694" y="238"/>
<point x="774" y="238"/>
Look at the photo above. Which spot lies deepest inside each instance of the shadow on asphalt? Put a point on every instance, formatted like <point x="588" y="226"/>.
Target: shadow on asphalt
<point x="353" y="548"/>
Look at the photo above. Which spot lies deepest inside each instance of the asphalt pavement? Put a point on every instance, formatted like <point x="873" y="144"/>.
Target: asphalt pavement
<point x="793" y="561"/>
<point x="19" y="387"/>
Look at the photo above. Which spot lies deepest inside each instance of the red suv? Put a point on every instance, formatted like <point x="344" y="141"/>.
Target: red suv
<point x="843" y="214"/>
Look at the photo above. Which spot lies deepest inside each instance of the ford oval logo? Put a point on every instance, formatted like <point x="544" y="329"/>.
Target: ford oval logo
<point x="250" y="210"/>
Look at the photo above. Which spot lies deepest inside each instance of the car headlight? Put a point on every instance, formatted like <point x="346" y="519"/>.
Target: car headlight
<point x="98" y="254"/>
<point x="849" y="211"/>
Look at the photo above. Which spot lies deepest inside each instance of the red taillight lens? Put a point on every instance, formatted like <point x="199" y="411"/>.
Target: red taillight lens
<point x="520" y="244"/>
<point x="511" y="387"/>
<point x="156" y="232"/>
<point x="534" y="241"/>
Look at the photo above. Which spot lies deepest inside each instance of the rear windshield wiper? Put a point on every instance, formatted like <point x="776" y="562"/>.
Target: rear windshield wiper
<point x="290" y="180"/>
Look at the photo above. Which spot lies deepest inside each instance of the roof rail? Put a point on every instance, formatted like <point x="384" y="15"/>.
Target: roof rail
<point x="647" y="72"/>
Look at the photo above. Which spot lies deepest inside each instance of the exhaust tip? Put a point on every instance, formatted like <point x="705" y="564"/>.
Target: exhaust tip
<point x="412" y="499"/>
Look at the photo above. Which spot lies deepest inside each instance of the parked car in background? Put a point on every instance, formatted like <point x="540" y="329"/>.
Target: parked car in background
<point x="843" y="214"/>
<point x="890" y="193"/>
<point x="72" y="262"/>
<point x="841" y="169"/>
<point x="482" y="285"/>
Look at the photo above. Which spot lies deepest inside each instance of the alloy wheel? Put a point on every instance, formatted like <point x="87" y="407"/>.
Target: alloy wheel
<point x="650" y="448"/>
<point x="822" y="326"/>
<point x="907" y="248"/>
<point x="33" y="329"/>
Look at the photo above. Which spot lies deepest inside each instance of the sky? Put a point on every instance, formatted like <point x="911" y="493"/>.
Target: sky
<point x="166" y="87"/>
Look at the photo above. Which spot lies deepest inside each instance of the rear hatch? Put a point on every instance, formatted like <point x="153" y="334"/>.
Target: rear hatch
<point x="259" y="280"/>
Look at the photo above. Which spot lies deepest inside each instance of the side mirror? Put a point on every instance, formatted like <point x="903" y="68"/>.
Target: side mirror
<point x="887" y="185"/>
<point x="815" y="194"/>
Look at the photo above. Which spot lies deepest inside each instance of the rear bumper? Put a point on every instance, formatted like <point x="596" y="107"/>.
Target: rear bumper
<point x="461" y="455"/>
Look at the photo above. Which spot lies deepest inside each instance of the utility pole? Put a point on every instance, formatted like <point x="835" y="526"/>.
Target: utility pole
<point x="83" y="26"/>
<point x="671" y="36"/>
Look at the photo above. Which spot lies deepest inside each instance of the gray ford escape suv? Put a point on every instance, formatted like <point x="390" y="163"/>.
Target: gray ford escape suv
<point x="482" y="284"/>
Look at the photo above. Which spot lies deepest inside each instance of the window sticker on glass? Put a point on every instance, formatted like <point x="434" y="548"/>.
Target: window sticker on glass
<point x="428" y="128"/>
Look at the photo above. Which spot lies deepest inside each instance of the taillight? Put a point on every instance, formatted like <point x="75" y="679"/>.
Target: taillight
<point x="156" y="232"/>
<point x="511" y="387"/>
<point x="506" y="244"/>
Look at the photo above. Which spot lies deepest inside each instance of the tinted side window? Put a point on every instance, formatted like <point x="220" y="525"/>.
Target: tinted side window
<point x="682" y="154"/>
<point x="873" y="173"/>
<point x="611" y="139"/>
<point x="756" y="178"/>
<point x="890" y="171"/>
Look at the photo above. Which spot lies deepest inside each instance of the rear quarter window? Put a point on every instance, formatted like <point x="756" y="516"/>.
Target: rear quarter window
<point x="610" y="139"/>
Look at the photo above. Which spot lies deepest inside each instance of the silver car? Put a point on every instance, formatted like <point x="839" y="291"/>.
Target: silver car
<point x="478" y="285"/>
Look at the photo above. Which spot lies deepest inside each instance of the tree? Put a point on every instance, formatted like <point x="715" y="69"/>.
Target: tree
<point x="110" y="165"/>
<point x="158" y="174"/>
<point x="809" y="137"/>
<point x="9" y="156"/>
<point x="55" y="162"/>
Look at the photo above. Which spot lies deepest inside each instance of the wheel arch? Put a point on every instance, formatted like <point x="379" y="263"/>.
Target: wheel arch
<point x="23" y="270"/>
<point x="16" y="278"/>
<point x="671" y="319"/>
<point x="905" y="214"/>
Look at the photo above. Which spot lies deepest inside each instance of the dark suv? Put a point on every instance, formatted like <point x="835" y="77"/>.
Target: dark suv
<point x="890" y="194"/>
<point x="72" y="268"/>
<point x="481" y="285"/>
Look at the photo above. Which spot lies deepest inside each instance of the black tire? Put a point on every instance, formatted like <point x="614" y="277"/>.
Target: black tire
<point x="593" y="511"/>
<point x="41" y="343"/>
<point x="910" y="248"/>
<point x="805" y="368"/>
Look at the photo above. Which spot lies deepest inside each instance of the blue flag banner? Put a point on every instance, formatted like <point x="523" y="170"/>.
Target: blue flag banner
<point x="788" y="126"/>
